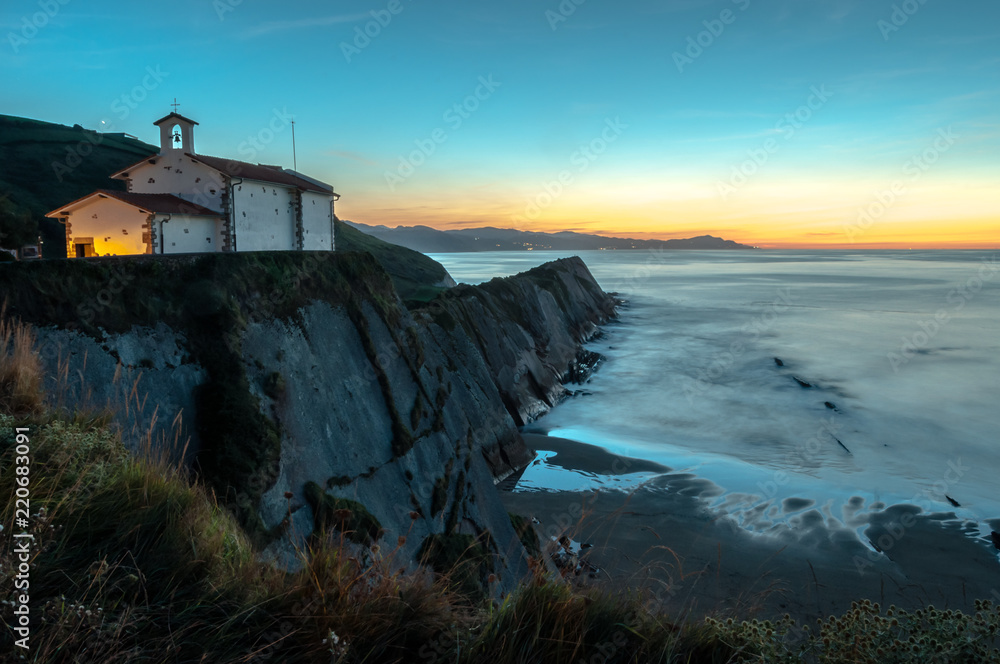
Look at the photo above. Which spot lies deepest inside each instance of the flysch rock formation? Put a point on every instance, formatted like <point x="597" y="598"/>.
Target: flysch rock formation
<point x="412" y="414"/>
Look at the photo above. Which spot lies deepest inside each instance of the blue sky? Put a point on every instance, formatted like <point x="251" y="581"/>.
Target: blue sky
<point x="688" y="116"/>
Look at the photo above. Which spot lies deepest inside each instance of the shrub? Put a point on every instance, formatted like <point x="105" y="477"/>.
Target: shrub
<point x="545" y="621"/>
<point x="864" y="635"/>
<point x="350" y="517"/>
<point x="463" y="560"/>
<point x="132" y="562"/>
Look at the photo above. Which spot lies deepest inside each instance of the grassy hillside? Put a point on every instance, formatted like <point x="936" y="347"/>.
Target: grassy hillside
<point x="219" y="292"/>
<point x="413" y="274"/>
<point x="431" y="240"/>
<point x="45" y="165"/>
<point x="133" y="561"/>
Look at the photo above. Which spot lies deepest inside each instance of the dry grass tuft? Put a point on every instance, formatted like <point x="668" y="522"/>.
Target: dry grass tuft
<point x="134" y="561"/>
<point x="21" y="375"/>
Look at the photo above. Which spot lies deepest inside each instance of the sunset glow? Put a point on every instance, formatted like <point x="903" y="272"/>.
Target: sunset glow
<point x="776" y="126"/>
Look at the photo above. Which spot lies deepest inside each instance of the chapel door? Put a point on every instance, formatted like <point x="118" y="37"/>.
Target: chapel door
<point x="84" y="247"/>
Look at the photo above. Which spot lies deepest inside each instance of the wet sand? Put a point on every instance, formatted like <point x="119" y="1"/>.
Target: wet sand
<point x="663" y="537"/>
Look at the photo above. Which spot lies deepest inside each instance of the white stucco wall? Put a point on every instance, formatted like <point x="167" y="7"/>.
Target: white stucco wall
<point x="115" y="226"/>
<point x="265" y="217"/>
<point x="177" y="174"/>
<point x="317" y="222"/>
<point x="264" y="214"/>
<point x="182" y="234"/>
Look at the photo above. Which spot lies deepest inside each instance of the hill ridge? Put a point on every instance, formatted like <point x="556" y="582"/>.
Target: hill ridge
<point x="425" y="239"/>
<point x="44" y="165"/>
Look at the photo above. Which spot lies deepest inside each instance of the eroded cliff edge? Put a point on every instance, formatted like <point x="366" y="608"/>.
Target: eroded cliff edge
<point x="300" y="379"/>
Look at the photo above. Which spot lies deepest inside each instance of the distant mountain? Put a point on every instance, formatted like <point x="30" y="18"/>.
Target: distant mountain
<point x="45" y="165"/>
<point x="430" y="240"/>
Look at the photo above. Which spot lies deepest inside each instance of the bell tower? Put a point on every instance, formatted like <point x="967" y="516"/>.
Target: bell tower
<point x="176" y="133"/>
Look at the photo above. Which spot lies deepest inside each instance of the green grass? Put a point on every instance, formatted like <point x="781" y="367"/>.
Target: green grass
<point x="137" y="561"/>
<point x="548" y="621"/>
<point x="133" y="561"/>
<point x="348" y="517"/>
<point x="464" y="560"/>
<point x="414" y="275"/>
<point x="29" y="149"/>
<point x="220" y="293"/>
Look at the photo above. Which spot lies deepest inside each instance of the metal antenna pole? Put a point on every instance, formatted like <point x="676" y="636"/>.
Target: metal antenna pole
<point x="295" y="161"/>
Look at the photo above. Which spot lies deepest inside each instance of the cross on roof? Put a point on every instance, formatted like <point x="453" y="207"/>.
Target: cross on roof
<point x="175" y="105"/>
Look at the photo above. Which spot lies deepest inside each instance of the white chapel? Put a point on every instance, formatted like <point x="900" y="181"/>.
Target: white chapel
<point x="181" y="202"/>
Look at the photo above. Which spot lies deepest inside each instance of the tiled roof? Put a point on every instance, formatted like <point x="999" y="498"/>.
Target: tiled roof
<point x="175" y="115"/>
<point x="242" y="169"/>
<point x="159" y="203"/>
<point x="165" y="203"/>
<point x="151" y="159"/>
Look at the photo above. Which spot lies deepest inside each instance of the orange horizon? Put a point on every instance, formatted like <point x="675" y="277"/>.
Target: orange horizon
<point x="942" y="245"/>
<point x="948" y="212"/>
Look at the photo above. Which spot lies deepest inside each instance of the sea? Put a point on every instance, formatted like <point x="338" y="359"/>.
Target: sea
<point x="790" y="380"/>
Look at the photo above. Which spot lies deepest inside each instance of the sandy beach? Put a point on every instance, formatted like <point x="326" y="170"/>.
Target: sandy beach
<point x="662" y="536"/>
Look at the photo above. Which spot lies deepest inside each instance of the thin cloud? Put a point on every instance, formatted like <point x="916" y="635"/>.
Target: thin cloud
<point x="298" y="24"/>
<point x="354" y="156"/>
<point x="707" y="114"/>
<point x="733" y="137"/>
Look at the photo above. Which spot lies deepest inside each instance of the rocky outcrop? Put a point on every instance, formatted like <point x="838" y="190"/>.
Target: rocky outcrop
<point x="145" y="377"/>
<point x="529" y="330"/>
<point x="339" y="427"/>
<point x="283" y="372"/>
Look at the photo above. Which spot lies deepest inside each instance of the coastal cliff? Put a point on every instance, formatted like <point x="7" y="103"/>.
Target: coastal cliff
<point x="298" y="384"/>
<point x="537" y="321"/>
